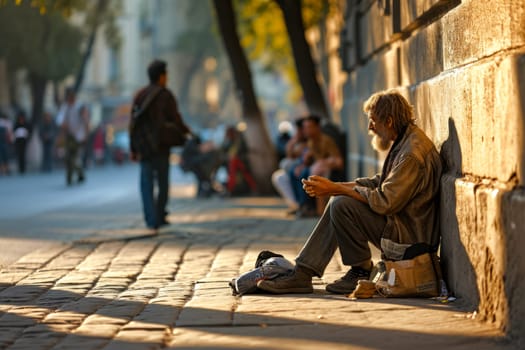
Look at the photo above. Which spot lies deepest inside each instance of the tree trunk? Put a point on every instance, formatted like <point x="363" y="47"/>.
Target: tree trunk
<point x="262" y="151"/>
<point x="4" y="84"/>
<point x="101" y="6"/>
<point x="304" y="63"/>
<point x="56" y="95"/>
<point x="38" y="90"/>
<point x="12" y="86"/>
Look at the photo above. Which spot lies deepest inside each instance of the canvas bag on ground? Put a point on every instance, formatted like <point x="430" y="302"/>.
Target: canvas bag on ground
<point x="417" y="277"/>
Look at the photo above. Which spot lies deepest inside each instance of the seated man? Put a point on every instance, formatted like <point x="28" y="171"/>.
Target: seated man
<point x="321" y="157"/>
<point x="236" y="150"/>
<point x="203" y="159"/>
<point x="393" y="210"/>
<point x="295" y="148"/>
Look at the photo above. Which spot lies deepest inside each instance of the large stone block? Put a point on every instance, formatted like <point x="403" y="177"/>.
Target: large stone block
<point x="466" y="220"/>
<point x="421" y="55"/>
<point x="496" y="119"/>
<point x="349" y="38"/>
<point x="375" y="27"/>
<point x="443" y="108"/>
<point x="411" y="10"/>
<point x="513" y="207"/>
<point x="487" y="253"/>
<point x="474" y="243"/>
<point x="476" y="113"/>
<point x="455" y="213"/>
<point x="481" y="28"/>
<point x="379" y="73"/>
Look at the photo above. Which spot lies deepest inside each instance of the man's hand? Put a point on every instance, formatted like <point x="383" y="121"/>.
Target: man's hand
<point x="318" y="186"/>
<point x="135" y="157"/>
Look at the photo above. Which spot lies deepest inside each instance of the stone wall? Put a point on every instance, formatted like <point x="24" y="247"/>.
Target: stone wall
<point x="462" y="66"/>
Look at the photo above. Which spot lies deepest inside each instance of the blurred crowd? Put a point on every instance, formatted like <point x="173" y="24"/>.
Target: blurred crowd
<point x="304" y="147"/>
<point x="57" y="136"/>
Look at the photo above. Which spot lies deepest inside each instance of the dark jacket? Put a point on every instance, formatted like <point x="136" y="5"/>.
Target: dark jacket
<point x="144" y="132"/>
<point x="407" y="193"/>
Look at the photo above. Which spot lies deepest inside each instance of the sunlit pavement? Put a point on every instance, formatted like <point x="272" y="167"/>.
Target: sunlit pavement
<point x="39" y="209"/>
<point x="114" y="287"/>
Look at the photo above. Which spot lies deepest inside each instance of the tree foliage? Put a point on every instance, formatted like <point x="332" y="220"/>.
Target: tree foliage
<point x="46" y="44"/>
<point x="264" y="34"/>
<point x="43" y="38"/>
<point x="40" y="36"/>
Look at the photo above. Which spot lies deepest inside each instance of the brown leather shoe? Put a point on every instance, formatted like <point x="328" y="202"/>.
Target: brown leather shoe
<point x="299" y="283"/>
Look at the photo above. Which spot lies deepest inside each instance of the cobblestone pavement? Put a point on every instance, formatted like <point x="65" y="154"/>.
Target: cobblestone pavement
<point x="127" y="290"/>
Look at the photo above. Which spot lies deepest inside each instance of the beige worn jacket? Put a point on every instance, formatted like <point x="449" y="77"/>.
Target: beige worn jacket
<point x="407" y="193"/>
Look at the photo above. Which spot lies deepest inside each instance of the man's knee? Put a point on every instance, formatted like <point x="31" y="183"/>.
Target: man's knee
<point x="344" y="205"/>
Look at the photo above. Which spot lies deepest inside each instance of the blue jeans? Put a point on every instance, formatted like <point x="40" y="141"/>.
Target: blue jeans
<point x="297" y="185"/>
<point x="154" y="175"/>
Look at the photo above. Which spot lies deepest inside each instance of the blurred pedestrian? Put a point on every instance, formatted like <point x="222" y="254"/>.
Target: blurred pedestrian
<point x="236" y="151"/>
<point x="73" y="120"/>
<point x="203" y="159"/>
<point x="6" y="138"/>
<point x="99" y="145"/>
<point x="321" y="158"/>
<point x="295" y="148"/>
<point x="47" y="133"/>
<point x="21" y="132"/>
<point x="285" y="129"/>
<point x="154" y="111"/>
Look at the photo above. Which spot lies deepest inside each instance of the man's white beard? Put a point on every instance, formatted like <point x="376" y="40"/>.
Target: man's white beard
<point x="380" y="144"/>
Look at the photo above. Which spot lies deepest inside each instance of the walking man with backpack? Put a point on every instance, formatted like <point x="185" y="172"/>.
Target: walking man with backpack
<point x="155" y="126"/>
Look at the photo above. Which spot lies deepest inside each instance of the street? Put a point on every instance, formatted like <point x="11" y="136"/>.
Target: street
<point x="39" y="210"/>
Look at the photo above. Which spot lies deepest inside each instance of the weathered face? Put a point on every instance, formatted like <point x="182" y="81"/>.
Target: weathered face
<point x="382" y="133"/>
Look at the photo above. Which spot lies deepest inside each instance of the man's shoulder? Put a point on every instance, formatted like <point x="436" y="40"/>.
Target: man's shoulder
<point x="139" y="94"/>
<point x="164" y="95"/>
<point x="417" y="144"/>
<point x="151" y="89"/>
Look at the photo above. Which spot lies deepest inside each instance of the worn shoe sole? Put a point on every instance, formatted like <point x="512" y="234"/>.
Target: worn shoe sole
<point x="268" y="286"/>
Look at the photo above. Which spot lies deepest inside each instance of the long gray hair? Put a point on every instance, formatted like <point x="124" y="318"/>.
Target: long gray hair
<point x="390" y="103"/>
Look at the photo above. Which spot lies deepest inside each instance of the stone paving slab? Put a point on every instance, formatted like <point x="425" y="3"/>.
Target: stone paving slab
<point x="171" y="290"/>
